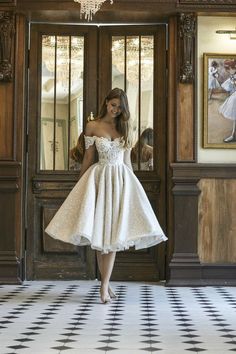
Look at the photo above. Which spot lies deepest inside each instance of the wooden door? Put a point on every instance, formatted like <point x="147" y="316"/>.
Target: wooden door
<point x="99" y="58"/>
<point x="62" y="85"/>
<point x="134" y="58"/>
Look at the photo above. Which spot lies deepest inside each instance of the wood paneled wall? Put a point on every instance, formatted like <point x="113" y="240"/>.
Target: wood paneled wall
<point x="6" y="121"/>
<point x="217" y="221"/>
<point x="205" y="224"/>
<point x="12" y="112"/>
<point x="185" y="125"/>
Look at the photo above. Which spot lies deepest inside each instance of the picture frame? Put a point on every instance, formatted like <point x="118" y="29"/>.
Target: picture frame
<point x="219" y="100"/>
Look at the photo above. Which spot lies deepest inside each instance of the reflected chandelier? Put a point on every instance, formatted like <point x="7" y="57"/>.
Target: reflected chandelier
<point x="88" y="8"/>
<point x="63" y="56"/>
<point x="137" y="53"/>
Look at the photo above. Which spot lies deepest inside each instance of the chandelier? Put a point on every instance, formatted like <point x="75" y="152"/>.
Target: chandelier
<point x="88" y="8"/>
<point x="63" y="56"/>
<point x="139" y="52"/>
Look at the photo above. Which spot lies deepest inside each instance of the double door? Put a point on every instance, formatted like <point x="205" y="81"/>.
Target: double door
<point x="71" y="69"/>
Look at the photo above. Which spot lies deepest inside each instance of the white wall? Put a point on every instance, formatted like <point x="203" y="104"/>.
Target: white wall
<point x="211" y="42"/>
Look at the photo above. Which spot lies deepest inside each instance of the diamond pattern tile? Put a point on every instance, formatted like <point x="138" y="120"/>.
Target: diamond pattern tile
<point x="68" y="317"/>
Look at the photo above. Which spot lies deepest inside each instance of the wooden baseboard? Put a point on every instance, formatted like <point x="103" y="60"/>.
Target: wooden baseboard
<point x="187" y="274"/>
<point x="11" y="268"/>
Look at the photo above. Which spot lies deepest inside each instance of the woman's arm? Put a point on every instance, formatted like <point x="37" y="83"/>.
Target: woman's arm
<point x="127" y="159"/>
<point x="89" y="154"/>
<point x="88" y="160"/>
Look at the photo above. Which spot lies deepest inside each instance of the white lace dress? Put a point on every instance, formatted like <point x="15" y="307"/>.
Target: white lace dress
<point x="108" y="208"/>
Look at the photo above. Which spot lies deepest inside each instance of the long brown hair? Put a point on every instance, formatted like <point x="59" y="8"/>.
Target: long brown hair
<point x="122" y="120"/>
<point x="77" y="152"/>
<point x="145" y="140"/>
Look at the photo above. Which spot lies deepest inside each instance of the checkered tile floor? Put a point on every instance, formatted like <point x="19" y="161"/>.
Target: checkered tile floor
<point x="67" y="317"/>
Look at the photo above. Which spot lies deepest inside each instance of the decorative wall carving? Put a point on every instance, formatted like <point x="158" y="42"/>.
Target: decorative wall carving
<point x="187" y="31"/>
<point x="7" y="29"/>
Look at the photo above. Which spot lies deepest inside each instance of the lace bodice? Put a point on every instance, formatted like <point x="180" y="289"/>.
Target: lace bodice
<point x="109" y="151"/>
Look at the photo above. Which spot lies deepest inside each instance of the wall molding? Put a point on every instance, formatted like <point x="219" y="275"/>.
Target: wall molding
<point x="202" y="170"/>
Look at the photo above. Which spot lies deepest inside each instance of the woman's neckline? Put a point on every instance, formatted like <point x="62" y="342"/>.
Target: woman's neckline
<point x="108" y="137"/>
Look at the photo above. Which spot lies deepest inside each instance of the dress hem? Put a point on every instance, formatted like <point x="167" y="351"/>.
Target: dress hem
<point x="139" y="242"/>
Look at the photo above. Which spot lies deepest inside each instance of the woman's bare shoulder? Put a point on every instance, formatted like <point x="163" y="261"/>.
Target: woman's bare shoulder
<point x="91" y="127"/>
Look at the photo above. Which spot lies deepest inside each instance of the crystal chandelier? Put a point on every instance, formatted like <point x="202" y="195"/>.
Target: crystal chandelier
<point x="88" y="8"/>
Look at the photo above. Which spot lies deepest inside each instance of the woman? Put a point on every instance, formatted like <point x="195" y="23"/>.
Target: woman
<point x="108" y="208"/>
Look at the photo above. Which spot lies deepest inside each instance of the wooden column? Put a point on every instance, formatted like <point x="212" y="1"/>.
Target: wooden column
<point x="185" y="267"/>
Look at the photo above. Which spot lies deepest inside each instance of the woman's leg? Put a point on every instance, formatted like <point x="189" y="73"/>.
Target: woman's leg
<point x="100" y="263"/>
<point x="100" y="267"/>
<point x="105" y="265"/>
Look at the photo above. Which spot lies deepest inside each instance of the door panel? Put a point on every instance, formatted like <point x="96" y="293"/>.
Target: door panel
<point x="50" y="173"/>
<point x="146" y="264"/>
<point x="50" y="137"/>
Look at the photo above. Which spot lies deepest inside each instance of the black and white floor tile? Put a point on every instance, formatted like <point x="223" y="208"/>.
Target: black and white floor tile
<point x="68" y="318"/>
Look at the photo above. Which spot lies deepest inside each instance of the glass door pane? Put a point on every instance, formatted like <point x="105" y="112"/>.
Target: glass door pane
<point x="133" y="71"/>
<point x="62" y="86"/>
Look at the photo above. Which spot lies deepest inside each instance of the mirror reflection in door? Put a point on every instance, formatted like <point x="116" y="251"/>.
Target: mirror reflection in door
<point x="62" y="85"/>
<point x="61" y="110"/>
<point x="133" y="71"/>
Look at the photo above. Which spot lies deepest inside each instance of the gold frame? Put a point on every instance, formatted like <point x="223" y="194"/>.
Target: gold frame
<point x="212" y="100"/>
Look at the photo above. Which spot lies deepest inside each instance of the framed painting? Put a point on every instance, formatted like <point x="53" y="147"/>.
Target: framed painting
<point x="219" y="111"/>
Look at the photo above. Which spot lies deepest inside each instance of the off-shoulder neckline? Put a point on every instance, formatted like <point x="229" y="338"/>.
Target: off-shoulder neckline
<point x="108" y="137"/>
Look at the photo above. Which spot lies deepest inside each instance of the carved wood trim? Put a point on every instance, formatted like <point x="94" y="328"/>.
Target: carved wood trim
<point x="187" y="33"/>
<point x="7" y="30"/>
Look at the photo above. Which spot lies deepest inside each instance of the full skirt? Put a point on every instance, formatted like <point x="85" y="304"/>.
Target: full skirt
<point x="108" y="210"/>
